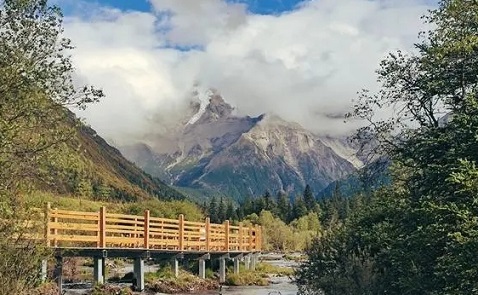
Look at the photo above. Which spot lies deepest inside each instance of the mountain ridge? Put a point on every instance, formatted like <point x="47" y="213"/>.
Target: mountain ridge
<point x="238" y="156"/>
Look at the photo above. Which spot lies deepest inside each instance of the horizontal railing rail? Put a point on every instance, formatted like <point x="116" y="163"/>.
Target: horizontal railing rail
<point x="65" y="228"/>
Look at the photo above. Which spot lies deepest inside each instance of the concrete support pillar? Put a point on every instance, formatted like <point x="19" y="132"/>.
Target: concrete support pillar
<point x="236" y="265"/>
<point x="44" y="270"/>
<point x="202" y="268"/>
<point x="202" y="265"/>
<point x="139" y="274"/>
<point x="222" y="270"/>
<point x="247" y="262"/>
<point x="175" y="265"/>
<point x="58" y="273"/>
<point x="253" y="261"/>
<point x="98" y="270"/>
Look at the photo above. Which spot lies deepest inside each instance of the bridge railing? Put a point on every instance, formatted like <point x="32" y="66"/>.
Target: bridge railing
<point x="65" y="228"/>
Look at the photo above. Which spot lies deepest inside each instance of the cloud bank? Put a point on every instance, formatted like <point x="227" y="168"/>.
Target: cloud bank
<point x="305" y="65"/>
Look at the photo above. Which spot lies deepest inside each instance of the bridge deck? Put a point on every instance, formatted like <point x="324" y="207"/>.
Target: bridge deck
<point x="146" y="234"/>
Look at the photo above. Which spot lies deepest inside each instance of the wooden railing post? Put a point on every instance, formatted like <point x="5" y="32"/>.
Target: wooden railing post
<point x="208" y="233"/>
<point x="102" y="228"/>
<point x="251" y="238"/>
<point x="146" y="229"/>
<point x="258" y="238"/>
<point x="55" y="230"/>
<point x="181" y="232"/>
<point x="47" y="223"/>
<point x="241" y="236"/>
<point x="226" y="232"/>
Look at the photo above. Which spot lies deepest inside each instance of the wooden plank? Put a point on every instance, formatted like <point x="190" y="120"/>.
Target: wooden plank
<point x="226" y="230"/>
<point x="73" y="226"/>
<point x="125" y="232"/>
<point x="102" y="228"/>
<point x="74" y="217"/>
<point x="125" y="221"/>
<point x="208" y="234"/>
<point x="124" y="216"/>
<point x="251" y="244"/>
<point x="164" y="242"/>
<point x="146" y="229"/>
<point x="46" y="218"/>
<point x="152" y="230"/>
<point x="172" y="235"/>
<point x="192" y="228"/>
<point x="194" y="223"/>
<point x="118" y="226"/>
<point x="181" y="231"/>
<point x="164" y="220"/>
<point x="77" y="213"/>
<point x="74" y="238"/>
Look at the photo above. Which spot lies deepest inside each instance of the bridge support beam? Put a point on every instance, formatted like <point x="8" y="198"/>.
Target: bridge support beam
<point x="247" y="262"/>
<point x="236" y="266"/>
<point x="139" y="274"/>
<point x="222" y="268"/>
<point x="44" y="270"/>
<point x="175" y="265"/>
<point x="99" y="270"/>
<point x="58" y="273"/>
<point x="202" y="265"/>
<point x="254" y="260"/>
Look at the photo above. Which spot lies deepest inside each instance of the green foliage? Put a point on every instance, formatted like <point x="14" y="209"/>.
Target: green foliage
<point x="257" y="277"/>
<point x="246" y="278"/>
<point x="419" y="236"/>
<point x="110" y="290"/>
<point x="35" y="87"/>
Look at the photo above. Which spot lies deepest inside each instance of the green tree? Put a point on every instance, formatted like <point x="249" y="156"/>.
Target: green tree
<point x="431" y="138"/>
<point x="221" y="211"/>
<point x="269" y="204"/>
<point x="230" y="212"/>
<point x="309" y="198"/>
<point x="35" y="87"/>
<point x="283" y="206"/>
<point x="299" y="209"/>
<point x="213" y="210"/>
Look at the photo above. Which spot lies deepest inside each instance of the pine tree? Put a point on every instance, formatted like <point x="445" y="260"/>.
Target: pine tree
<point x="269" y="203"/>
<point x="309" y="198"/>
<point x="230" y="212"/>
<point x="221" y="211"/>
<point x="299" y="207"/>
<point x="283" y="206"/>
<point x="213" y="210"/>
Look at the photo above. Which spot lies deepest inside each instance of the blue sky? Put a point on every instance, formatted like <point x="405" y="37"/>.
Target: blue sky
<point x="254" y="6"/>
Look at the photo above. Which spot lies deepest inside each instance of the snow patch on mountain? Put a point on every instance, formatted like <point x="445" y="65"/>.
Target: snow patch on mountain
<point x="203" y="95"/>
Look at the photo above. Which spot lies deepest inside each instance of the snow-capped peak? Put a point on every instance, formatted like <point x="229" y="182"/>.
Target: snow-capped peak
<point x="203" y="95"/>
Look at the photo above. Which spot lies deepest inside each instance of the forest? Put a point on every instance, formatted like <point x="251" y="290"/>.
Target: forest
<point x="418" y="235"/>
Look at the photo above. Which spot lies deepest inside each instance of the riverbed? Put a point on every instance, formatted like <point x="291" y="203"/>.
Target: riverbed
<point x="278" y="286"/>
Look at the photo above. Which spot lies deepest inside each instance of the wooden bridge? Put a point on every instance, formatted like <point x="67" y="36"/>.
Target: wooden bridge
<point x="102" y="235"/>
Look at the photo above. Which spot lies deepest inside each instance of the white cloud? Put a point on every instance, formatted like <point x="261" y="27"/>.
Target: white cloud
<point x="305" y="65"/>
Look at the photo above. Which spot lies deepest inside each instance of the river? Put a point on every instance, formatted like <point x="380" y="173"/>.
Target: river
<point x="278" y="286"/>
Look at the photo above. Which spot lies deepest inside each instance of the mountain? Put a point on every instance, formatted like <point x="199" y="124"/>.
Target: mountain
<point x="92" y="168"/>
<point x="222" y="153"/>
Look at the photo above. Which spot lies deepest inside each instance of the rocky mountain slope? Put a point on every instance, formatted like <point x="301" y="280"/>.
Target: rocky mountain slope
<point x="220" y="152"/>
<point x="93" y="169"/>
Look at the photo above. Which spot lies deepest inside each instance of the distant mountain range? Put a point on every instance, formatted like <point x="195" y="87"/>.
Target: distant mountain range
<point x="215" y="151"/>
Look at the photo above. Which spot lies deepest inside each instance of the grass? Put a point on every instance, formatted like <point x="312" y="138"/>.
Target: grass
<point x="258" y="277"/>
<point x="164" y="281"/>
